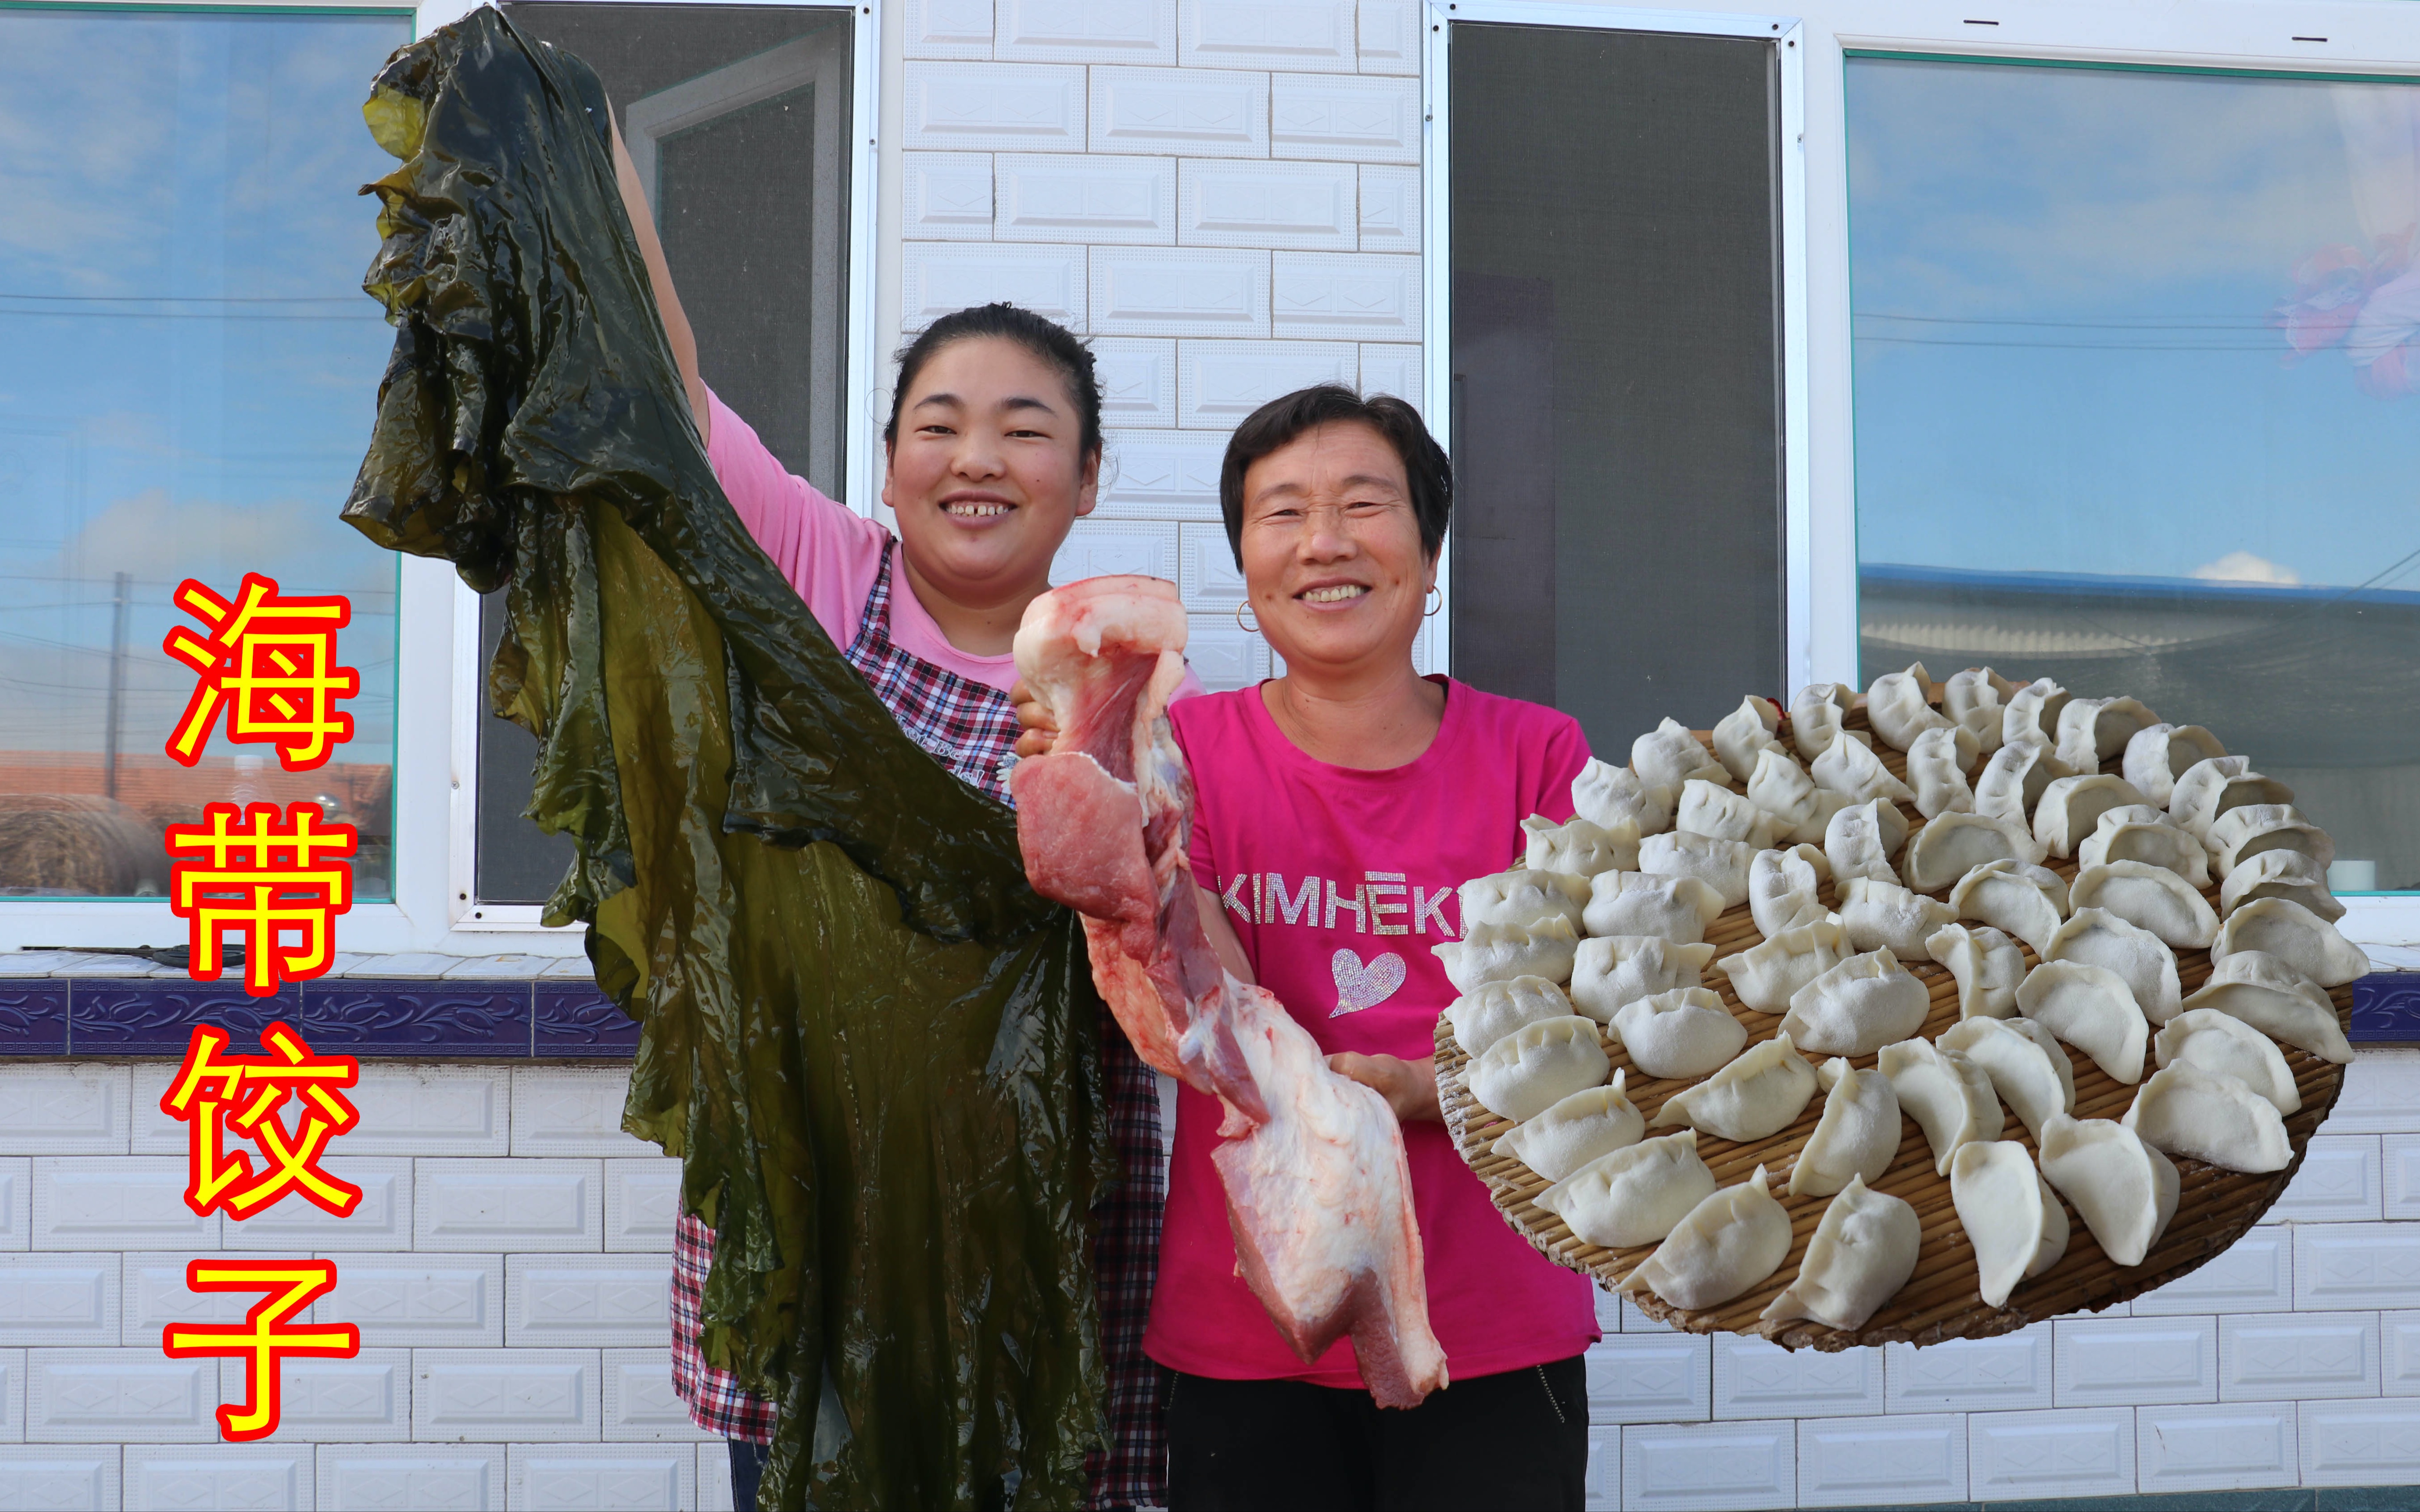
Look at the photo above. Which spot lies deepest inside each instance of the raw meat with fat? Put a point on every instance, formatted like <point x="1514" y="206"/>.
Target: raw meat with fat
<point x="1318" y="1191"/>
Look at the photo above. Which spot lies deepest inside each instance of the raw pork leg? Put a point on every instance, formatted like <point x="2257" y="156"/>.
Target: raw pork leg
<point x="1318" y="1192"/>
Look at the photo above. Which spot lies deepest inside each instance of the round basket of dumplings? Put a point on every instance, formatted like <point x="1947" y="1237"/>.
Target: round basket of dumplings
<point x="1905" y="1018"/>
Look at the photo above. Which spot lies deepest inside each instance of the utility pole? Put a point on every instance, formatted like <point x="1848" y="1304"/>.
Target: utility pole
<point x="116" y="684"/>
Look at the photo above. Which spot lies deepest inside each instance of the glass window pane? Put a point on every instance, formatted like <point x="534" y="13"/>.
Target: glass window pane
<point x="2138" y="407"/>
<point x="185" y="394"/>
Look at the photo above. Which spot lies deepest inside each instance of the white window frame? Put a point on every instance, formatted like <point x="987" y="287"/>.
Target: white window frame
<point x="2371" y="37"/>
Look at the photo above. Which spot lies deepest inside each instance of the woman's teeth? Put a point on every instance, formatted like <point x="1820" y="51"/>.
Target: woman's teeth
<point x="975" y="511"/>
<point x="1336" y="594"/>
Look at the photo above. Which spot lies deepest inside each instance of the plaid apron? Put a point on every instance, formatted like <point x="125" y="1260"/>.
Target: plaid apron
<point x="971" y="730"/>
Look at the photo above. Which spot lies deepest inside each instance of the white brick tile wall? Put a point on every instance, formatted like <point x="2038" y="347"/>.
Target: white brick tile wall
<point x="2360" y="1443"/>
<point x="1391" y="209"/>
<point x="1010" y="107"/>
<point x="16" y="1201"/>
<point x="506" y="1396"/>
<point x="58" y="1477"/>
<point x="634" y="1477"/>
<point x="937" y="277"/>
<point x="1231" y="202"/>
<point x="425" y="1477"/>
<point x="511" y="1204"/>
<point x="1346" y="295"/>
<point x="1651" y="1378"/>
<point x="1224" y="654"/>
<point x="1161" y="474"/>
<point x="2340" y="1182"/>
<point x="2082" y="1452"/>
<point x="60" y="1300"/>
<point x="1858" y="1461"/>
<point x="945" y="196"/>
<point x="1633" y="1321"/>
<point x="2400" y="1175"/>
<point x="2357" y="1265"/>
<point x="2284" y="1356"/>
<point x="63" y="1109"/>
<point x="592" y="1301"/>
<point x="1602" y="1486"/>
<point x="1711" y="1466"/>
<point x="1754" y="1379"/>
<point x="1390" y="369"/>
<point x="2256" y="1274"/>
<point x="1085" y="31"/>
<point x="119" y="1395"/>
<point x="1220" y="382"/>
<point x="2106" y="1360"/>
<point x="402" y="1300"/>
<point x="1312" y="34"/>
<point x="1390" y="35"/>
<point x="156" y="1296"/>
<point x="566" y="1110"/>
<point x="1138" y="378"/>
<point x="1186" y="291"/>
<point x="407" y="1110"/>
<point x="1351" y="120"/>
<point x="1096" y="547"/>
<point x="12" y="1397"/>
<point x="642" y="1203"/>
<point x="2399" y="1353"/>
<point x="1046" y="196"/>
<point x="640" y="1402"/>
<point x="270" y="1477"/>
<point x="1197" y="112"/>
<point x="380" y="1220"/>
<point x="2381" y="1094"/>
<point x="364" y="1399"/>
<point x="2214" y="1448"/>
<point x="125" y="1202"/>
<point x="714" y="1478"/>
<point x="947" y="29"/>
<point x="1210" y="577"/>
<point x="2007" y="1371"/>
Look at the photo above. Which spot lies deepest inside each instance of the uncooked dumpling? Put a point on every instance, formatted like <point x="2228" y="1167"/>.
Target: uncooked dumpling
<point x="1727" y="1245"/>
<point x="2071" y="807"/>
<point x="1669" y="755"/>
<point x="2012" y="782"/>
<point x="2029" y="902"/>
<point x="1976" y="700"/>
<point x="1635" y="903"/>
<point x="1986" y="965"/>
<point x="1581" y="848"/>
<point x="1897" y="707"/>
<point x="2214" y="801"/>
<point x="2149" y="897"/>
<point x="2280" y="875"/>
<point x="2279" y="1002"/>
<point x="2291" y="932"/>
<point x="2012" y="1216"/>
<point x="1525" y="898"/>
<point x="1877" y="913"/>
<point x="1857" y="843"/>
<point x="1587" y="1125"/>
<point x="2097" y="937"/>
<point x="1499" y="952"/>
<point x="1613" y="970"/>
<point x="2211" y="1117"/>
<point x="2158" y="754"/>
<point x="1744" y="733"/>
<point x="1815" y="717"/>
<point x="1760" y="1093"/>
<point x="1954" y="845"/>
<point x="1856" y="1007"/>
<point x="1950" y="1097"/>
<point x="1610" y="796"/>
<point x="1765" y="976"/>
<point x="1722" y="814"/>
<point x="2029" y="1071"/>
<point x="1783" y="888"/>
<point x="1720" y="864"/>
<point x="2191" y="801"/>
<point x="1781" y="787"/>
<point x="2126" y="1190"/>
<point x="2090" y="731"/>
<point x="1937" y="765"/>
<point x="1536" y="1066"/>
<point x="1863" y="1252"/>
<point x="2130" y="833"/>
<point x="1684" y="1032"/>
<point x="2224" y="1044"/>
<point x="2090" y="1009"/>
<point x="2257" y="829"/>
<point x="1857" y="1135"/>
<point x="1850" y="766"/>
<point x="1634" y="1196"/>
<point x="1489" y="1013"/>
<point x="2032" y="711"/>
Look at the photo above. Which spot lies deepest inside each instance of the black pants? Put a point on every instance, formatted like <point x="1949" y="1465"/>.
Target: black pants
<point x="747" y="1469"/>
<point x="1517" y="1442"/>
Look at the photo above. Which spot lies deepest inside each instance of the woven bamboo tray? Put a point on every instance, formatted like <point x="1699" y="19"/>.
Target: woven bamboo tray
<point x="1943" y="1299"/>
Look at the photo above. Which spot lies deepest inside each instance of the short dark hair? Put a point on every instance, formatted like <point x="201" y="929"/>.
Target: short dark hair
<point x="1281" y="421"/>
<point x="1053" y="344"/>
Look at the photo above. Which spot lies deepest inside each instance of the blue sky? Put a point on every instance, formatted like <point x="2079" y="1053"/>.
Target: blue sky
<point x="2061" y="280"/>
<point x="191" y="367"/>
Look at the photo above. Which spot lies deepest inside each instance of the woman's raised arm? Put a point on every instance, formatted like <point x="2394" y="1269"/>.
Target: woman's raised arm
<point x="660" y="277"/>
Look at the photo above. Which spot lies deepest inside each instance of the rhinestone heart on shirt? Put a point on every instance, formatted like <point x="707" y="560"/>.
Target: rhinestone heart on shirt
<point x="1360" y="985"/>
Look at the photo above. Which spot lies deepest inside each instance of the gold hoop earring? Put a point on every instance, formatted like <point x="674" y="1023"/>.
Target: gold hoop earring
<point x="1254" y="628"/>
<point x="1430" y="613"/>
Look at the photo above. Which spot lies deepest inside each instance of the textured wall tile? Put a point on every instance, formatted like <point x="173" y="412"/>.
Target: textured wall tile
<point x="429" y="1110"/>
<point x="119" y="1397"/>
<point x="1097" y="549"/>
<point x="1138" y="378"/>
<point x="1347" y="121"/>
<point x="2340" y="1182"/>
<point x="116" y="1202"/>
<point x="639" y="1476"/>
<point x="505" y="1396"/>
<point x="1390" y="35"/>
<point x="946" y="196"/>
<point x="1161" y="474"/>
<point x="2400" y="1175"/>
<point x="157" y="1017"/>
<point x="942" y="276"/>
<point x="2399" y="1353"/>
<point x="156" y="1296"/>
<point x="34" y="1016"/>
<point x="2137" y="1360"/>
<point x="1086" y="31"/>
<point x="1193" y="291"/>
<point x="640" y="1402"/>
<point x="2360" y="1443"/>
<point x="1045" y="196"/>
<point x="714" y="1478"/>
<point x="1211" y="580"/>
<point x="16" y="1201"/>
<point x="57" y="1477"/>
<point x="1649" y="1377"/>
<point x="2280" y="1357"/>
<point x="1312" y="34"/>
<point x="435" y="1300"/>
<point x="576" y="1022"/>
<point x="421" y="1477"/>
<point x="1227" y="203"/>
<point x="2079" y="1452"/>
<point x="1754" y="1379"/>
<point x="13" y="1400"/>
<point x="1711" y="1465"/>
<point x="1346" y="295"/>
<point x="1854" y="1461"/>
<point x="1008" y="107"/>
<point x="366" y="1400"/>
<point x="2381" y="1094"/>
<point x="270" y="1477"/>
<point x="2216" y="1448"/>
<point x="381" y="1220"/>
<point x="2012" y="1370"/>
<point x="949" y="28"/>
<point x="354" y="1016"/>
<point x="63" y="1110"/>
<point x="1200" y="113"/>
<point x="1608" y="1309"/>
<point x="506" y="1205"/>
<point x="588" y="1300"/>
<point x="2256" y="1274"/>
<point x="1223" y="655"/>
<point x="1601" y="1485"/>
<point x="1391" y="209"/>
<point x="1219" y="382"/>
<point x="1392" y="369"/>
<point x="1634" y="1322"/>
<point x="563" y="1110"/>
<point x="2357" y="1265"/>
<point x="642" y="1203"/>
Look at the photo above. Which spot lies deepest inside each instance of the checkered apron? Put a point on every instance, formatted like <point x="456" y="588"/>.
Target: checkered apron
<point x="971" y="730"/>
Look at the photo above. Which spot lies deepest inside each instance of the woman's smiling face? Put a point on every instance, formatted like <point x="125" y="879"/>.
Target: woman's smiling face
<point x="1333" y="564"/>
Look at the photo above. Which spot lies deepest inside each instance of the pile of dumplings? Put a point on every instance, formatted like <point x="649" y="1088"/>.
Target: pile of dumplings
<point x="1597" y="940"/>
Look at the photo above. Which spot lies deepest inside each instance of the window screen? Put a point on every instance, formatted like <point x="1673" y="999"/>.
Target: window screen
<point x="738" y="119"/>
<point x="1617" y="540"/>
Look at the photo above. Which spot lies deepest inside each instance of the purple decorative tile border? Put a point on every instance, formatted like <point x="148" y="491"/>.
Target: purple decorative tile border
<point x="2386" y="1009"/>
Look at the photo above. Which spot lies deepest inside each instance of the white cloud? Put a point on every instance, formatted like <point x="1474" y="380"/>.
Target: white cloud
<point x="2243" y="568"/>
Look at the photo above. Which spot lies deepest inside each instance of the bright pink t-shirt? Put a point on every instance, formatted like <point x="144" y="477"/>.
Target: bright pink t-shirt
<point x="1336" y="882"/>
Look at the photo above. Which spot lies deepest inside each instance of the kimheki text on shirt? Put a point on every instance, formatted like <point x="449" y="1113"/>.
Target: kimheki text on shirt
<point x="1378" y="902"/>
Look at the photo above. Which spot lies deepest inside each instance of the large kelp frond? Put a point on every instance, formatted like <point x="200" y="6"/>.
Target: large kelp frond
<point x="868" y="1039"/>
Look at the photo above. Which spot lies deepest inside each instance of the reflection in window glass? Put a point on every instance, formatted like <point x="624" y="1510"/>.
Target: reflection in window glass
<point x="2137" y="389"/>
<point x="186" y="393"/>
